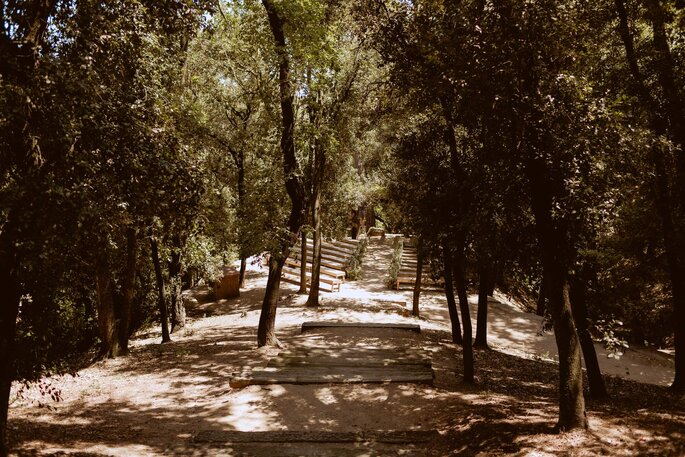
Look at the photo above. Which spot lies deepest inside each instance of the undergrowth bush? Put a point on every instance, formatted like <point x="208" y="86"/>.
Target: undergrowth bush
<point x="353" y="267"/>
<point x="395" y="263"/>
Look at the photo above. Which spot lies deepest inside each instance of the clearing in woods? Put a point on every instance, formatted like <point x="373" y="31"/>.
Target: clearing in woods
<point x="176" y="398"/>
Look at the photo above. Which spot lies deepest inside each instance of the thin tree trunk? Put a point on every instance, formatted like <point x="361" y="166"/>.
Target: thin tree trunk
<point x="128" y="290"/>
<point x="317" y="186"/>
<point x="482" y="320"/>
<point x="579" y="309"/>
<point x="107" y="318"/>
<point x="417" y="284"/>
<point x="9" y="309"/>
<point x="467" y="343"/>
<point x="554" y="247"/>
<point x="240" y="164"/>
<point x="266" y="332"/>
<point x="161" y="298"/>
<point x="542" y="298"/>
<point x="303" y="263"/>
<point x="449" y="294"/>
<point x="293" y="183"/>
<point x="667" y="206"/>
<point x="178" y="310"/>
<point x="571" y="401"/>
<point x="314" y="288"/>
<point x="243" y="267"/>
<point x="675" y="112"/>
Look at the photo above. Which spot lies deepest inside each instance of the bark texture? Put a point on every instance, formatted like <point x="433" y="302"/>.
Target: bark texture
<point x="161" y="295"/>
<point x="417" y="285"/>
<point x="293" y="183"/>
<point x="9" y="309"/>
<point x="303" y="263"/>
<point x="178" y="310"/>
<point x="449" y="295"/>
<point x="467" y="343"/>
<point x="482" y="319"/>
<point x="579" y="307"/>
<point x="667" y="118"/>
<point x="554" y="247"/>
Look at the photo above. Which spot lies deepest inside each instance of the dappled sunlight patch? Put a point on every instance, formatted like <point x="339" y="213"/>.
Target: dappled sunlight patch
<point x="248" y="413"/>
<point x="326" y="396"/>
<point x="87" y="448"/>
<point x="161" y="396"/>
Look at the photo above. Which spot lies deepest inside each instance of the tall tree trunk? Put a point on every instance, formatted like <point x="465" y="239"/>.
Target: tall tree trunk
<point x="460" y="281"/>
<point x="542" y="298"/>
<point x="107" y="316"/>
<point x="9" y="309"/>
<point x="578" y="297"/>
<point x="449" y="295"/>
<point x="266" y="332"/>
<point x="161" y="298"/>
<point x="303" y="263"/>
<point x="128" y="289"/>
<point x="293" y="184"/>
<point x="317" y="186"/>
<point x="240" y="164"/>
<point x="554" y="247"/>
<point x="671" y="209"/>
<point x="243" y="267"/>
<point x="20" y="54"/>
<point x="675" y="242"/>
<point x="314" y="288"/>
<point x="482" y="320"/>
<point x="178" y="310"/>
<point x="417" y="284"/>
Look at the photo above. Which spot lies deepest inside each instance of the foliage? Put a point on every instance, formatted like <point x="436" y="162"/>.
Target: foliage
<point x="353" y="267"/>
<point x="610" y="331"/>
<point x="395" y="262"/>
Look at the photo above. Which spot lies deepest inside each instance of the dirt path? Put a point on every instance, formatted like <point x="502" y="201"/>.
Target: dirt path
<point x="174" y="399"/>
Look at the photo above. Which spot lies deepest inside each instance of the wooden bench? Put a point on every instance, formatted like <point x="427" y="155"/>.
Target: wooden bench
<point x="324" y="256"/>
<point x="326" y="283"/>
<point x="329" y="272"/>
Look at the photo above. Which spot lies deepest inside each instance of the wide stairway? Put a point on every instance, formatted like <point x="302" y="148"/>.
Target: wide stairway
<point x="335" y="256"/>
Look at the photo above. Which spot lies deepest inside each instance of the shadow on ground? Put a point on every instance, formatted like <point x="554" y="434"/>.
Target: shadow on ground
<point x="161" y="398"/>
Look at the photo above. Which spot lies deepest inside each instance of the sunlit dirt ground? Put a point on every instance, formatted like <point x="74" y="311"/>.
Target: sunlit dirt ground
<point x="161" y="398"/>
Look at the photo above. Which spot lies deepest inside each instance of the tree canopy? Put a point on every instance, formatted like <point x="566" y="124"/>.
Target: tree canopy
<point x="537" y="147"/>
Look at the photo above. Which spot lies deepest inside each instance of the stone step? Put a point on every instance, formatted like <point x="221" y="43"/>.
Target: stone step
<point x="332" y="374"/>
<point x="311" y="325"/>
<point x="294" y="436"/>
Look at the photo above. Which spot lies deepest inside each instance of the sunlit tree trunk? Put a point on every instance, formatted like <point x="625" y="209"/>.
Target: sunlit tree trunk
<point x="267" y="320"/>
<point x="554" y="248"/>
<point x="417" y="285"/>
<point x="313" y="299"/>
<point x="482" y="320"/>
<point x="107" y="319"/>
<point x="449" y="295"/>
<point x="460" y="282"/>
<point x="303" y="263"/>
<point x="178" y="310"/>
<point x="578" y="297"/>
<point x="161" y="296"/>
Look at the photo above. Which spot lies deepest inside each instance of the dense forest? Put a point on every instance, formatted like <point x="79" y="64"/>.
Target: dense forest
<point x="536" y="147"/>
